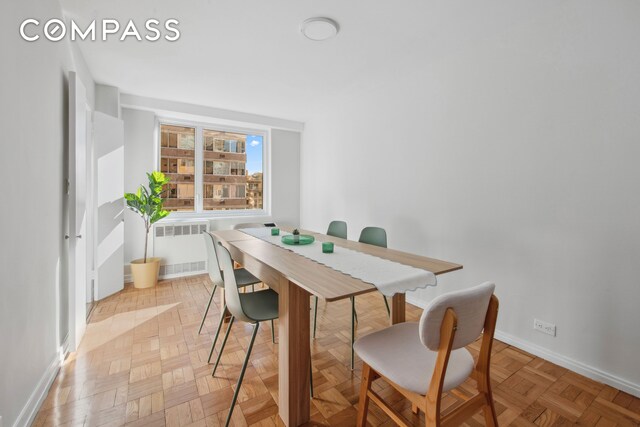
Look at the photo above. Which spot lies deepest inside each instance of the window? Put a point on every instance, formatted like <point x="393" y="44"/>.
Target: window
<point x="177" y="160"/>
<point x="231" y="176"/>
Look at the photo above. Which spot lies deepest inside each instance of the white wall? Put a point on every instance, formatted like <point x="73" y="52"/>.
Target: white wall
<point x="108" y="100"/>
<point x="138" y="160"/>
<point x="140" y="144"/>
<point x="33" y="286"/>
<point x="514" y="152"/>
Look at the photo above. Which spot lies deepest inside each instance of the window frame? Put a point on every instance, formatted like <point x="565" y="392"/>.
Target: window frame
<point x="199" y="126"/>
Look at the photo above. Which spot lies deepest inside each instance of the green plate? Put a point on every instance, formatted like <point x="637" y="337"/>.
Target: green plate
<point x="304" y="239"/>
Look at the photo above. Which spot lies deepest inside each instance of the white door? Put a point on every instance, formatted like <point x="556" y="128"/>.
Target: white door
<point x="77" y="210"/>
<point x="108" y="148"/>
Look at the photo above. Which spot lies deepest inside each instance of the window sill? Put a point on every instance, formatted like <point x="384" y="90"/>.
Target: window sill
<point x="201" y="216"/>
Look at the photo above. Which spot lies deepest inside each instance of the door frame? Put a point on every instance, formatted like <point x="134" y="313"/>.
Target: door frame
<point x="92" y="214"/>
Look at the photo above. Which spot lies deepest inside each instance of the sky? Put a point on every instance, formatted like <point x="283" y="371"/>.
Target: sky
<point x="254" y="153"/>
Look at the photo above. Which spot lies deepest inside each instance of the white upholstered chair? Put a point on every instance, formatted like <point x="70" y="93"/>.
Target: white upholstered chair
<point x="423" y="360"/>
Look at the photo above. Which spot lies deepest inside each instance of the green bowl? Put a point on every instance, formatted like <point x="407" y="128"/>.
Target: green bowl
<point x="304" y="239"/>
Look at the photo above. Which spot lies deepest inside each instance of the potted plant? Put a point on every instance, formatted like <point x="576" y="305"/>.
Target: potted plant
<point x="296" y="236"/>
<point x="147" y="202"/>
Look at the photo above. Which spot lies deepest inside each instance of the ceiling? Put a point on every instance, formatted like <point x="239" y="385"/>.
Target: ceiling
<point x="249" y="55"/>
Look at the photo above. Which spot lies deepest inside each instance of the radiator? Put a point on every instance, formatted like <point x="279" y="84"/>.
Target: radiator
<point x="181" y="247"/>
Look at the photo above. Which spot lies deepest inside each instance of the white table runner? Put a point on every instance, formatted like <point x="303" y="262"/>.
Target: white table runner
<point x="389" y="277"/>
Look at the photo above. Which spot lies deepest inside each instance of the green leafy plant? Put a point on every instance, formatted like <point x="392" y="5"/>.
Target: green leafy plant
<point x="147" y="202"/>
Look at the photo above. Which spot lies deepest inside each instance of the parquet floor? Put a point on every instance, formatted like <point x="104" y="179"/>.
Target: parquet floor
<point x="142" y="363"/>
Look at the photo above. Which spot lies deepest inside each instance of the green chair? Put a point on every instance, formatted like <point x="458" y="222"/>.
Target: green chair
<point x="252" y="307"/>
<point x="243" y="277"/>
<point x="372" y="236"/>
<point x="336" y="229"/>
<point x="375" y="236"/>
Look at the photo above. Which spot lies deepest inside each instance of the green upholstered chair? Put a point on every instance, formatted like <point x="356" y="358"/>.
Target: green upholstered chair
<point x="337" y="229"/>
<point x="375" y="236"/>
<point x="252" y="307"/>
<point x="242" y="276"/>
<point x="371" y="235"/>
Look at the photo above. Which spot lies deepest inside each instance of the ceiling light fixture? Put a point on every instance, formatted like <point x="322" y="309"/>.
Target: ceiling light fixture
<point x="319" y="29"/>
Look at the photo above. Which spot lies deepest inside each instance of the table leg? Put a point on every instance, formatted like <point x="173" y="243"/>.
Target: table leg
<point x="398" y="311"/>
<point x="294" y="354"/>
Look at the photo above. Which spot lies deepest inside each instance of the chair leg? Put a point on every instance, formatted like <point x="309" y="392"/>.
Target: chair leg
<point x="489" y="410"/>
<point x="315" y="316"/>
<point x="215" y="338"/>
<point x="363" y="405"/>
<point x="273" y="332"/>
<point x="490" y="416"/>
<point x="206" y="310"/>
<point x="353" y="330"/>
<point x="224" y="342"/>
<point x="242" y="371"/>
<point x="484" y="387"/>
<point x="386" y="303"/>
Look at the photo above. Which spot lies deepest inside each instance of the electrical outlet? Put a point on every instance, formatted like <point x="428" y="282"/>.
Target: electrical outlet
<point x="544" y="327"/>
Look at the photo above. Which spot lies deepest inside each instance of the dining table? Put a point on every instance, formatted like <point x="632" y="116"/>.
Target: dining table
<point x="295" y="278"/>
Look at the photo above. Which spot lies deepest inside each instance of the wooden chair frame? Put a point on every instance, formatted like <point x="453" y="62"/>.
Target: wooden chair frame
<point x="430" y="404"/>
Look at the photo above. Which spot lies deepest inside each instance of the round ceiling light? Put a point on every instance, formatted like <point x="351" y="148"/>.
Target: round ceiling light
<point x="319" y="29"/>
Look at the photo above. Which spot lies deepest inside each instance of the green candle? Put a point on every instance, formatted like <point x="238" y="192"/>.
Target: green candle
<point x="327" y="247"/>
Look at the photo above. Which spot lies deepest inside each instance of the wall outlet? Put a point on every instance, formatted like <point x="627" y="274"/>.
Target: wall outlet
<point x="544" y="327"/>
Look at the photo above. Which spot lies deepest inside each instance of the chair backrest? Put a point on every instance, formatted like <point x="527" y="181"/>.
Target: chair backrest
<point x="470" y="307"/>
<point x="212" y="261"/>
<point x="337" y="229"/>
<point x="231" y="292"/>
<point x="373" y="236"/>
<point x="248" y="225"/>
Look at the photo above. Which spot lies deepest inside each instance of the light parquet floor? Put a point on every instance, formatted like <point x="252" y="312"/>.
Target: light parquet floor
<point x="142" y="363"/>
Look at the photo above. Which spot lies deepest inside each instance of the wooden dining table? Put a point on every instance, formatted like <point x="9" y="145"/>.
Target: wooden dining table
<point x="295" y="278"/>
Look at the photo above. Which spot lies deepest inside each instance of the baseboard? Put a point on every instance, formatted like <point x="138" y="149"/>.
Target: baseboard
<point x="129" y="279"/>
<point x="571" y="364"/>
<point x="30" y="410"/>
<point x="178" y="275"/>
<point x="558" y="359"/>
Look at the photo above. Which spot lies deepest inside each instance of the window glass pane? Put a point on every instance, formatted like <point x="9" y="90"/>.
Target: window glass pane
<point x="232" y="170"/>
<point x="253" y="169"/>
<point x="220" y="168"/>
<point x="187" y="141"/>
<point x="177" y="161"/>
<point x="237" y="168"/>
